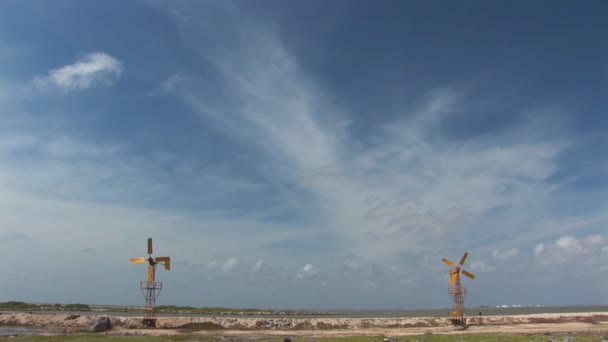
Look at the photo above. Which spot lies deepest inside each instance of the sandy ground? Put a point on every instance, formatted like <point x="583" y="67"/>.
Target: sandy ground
<point x="249" y="327"/>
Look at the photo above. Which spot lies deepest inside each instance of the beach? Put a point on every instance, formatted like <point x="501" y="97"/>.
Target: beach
<point x="594" y="323"/>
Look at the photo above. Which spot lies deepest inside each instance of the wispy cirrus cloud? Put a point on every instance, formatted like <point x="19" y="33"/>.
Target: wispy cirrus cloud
<point x="230" y="264"/>
<point x="374" y="198"/>
<point x="308" y="271"/>
<point x="411" y="190"/>
<point x="482" y="267"/>
<point x="257" y="266"/>
<point x="500" y="255"/>
<point x="169" y="84"/>
<point x="94" y="69"/>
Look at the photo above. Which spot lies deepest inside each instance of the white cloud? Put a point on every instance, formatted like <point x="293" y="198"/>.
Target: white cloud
<point x="594" y="241"/>
<point x="482" y="267"/>
<point x="230" y="264"/>
<point x="498" y="255"/>
<point x="569" y="248"/>
<point x="257" y="266"/>
<point x="169" y="84"/>
<point x="569" y="244"/>
<point x="539" y="248"/>
<point x="307" y="271"/>
<point x="92" y="70"/>
<point x="426" y="188"/>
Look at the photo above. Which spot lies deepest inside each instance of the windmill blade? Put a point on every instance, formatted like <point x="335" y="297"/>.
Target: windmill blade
<point x="448" y="262"/>
<point x="137" y="260"/>
<point x="453" y="278"/>
<point x="464" y="257"/>
<point x="165" y="261"/>
<point x="149" y="245"/>
<point x="468" y="274"/>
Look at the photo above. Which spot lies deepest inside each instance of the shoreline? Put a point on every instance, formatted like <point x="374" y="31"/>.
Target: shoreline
<point x="62" y="323"/>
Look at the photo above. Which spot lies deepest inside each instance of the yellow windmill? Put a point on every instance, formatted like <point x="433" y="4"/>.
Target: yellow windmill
<point x="151" y="288"/>
<point x="457" y="291"/>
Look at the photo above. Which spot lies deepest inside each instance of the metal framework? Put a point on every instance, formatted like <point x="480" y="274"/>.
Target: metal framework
<point x="151" y="288"/>
<point x="456" y="290"/>
<point x="459" y="294"/>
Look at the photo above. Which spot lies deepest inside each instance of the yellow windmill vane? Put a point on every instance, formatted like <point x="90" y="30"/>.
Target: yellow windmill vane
<point x="151" y="288"/>
<point x="457" y="291"/>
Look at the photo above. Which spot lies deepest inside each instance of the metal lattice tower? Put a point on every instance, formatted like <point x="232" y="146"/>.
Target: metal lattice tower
<point x="457" y="291"/>
<point x="151" y="288"/>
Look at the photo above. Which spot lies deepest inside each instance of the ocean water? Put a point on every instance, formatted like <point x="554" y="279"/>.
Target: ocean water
<point x="486" y="311"/>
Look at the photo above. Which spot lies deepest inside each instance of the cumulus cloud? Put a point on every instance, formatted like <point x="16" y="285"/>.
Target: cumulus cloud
<point x="308" y="271"/>
<point x="498" y="255"/>
<point x="92" y="70"/>
<point x="568" y="247"/>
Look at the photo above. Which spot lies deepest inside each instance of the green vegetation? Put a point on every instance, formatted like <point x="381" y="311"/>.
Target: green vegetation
<point x="420" y="338"/>
<point x="21" y="306"/>
<point x="211" y="310"/>
<point x="189" y="327"/>
<point x="76" y="307"/>
<point x="13" y="305"/>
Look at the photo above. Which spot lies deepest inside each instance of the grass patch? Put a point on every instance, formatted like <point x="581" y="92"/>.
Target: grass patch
<point x="200" y="326"/>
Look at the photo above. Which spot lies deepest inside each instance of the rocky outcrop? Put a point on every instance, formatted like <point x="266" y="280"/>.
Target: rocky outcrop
<point x="104" y="323"/>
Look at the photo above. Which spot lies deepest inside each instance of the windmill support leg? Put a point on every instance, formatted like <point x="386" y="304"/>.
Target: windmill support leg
<point x="150" y="290"/>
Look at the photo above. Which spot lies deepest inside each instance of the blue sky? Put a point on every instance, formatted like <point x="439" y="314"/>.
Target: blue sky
<point x="304" y="154"/>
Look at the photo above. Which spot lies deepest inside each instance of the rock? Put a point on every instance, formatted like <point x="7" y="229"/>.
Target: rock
<point x="104" y="323"/>
<point x="70" y="317"/>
